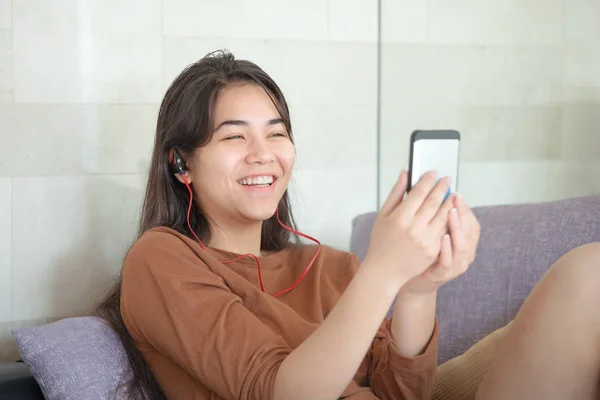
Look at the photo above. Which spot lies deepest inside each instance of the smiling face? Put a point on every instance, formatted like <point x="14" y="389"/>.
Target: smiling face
<point x="242" y="173"/>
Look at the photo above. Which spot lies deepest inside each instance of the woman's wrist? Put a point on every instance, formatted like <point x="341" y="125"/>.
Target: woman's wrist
<point x="388" y="283"/>
<point x="417" y="300"/>
<point x="413" y="322"/>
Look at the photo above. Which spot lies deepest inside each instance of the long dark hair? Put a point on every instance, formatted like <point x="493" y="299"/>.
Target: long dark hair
<point x="185" y="122"/>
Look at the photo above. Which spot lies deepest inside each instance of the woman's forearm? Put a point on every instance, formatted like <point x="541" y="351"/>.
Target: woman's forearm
<point x="325" y="363"/>
<point x="413" y="322"/>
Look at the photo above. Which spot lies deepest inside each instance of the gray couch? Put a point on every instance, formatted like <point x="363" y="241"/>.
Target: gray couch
<point x="518" y="244"/>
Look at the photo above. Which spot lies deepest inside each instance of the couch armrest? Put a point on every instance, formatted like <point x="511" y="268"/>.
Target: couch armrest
<point x="17" y="383"/>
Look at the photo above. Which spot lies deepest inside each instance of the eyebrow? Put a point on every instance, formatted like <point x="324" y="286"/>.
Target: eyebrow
<point x="238" y="122"/>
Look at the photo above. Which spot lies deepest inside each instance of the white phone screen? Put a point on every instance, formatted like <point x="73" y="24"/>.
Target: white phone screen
<point x="440" y="155"/>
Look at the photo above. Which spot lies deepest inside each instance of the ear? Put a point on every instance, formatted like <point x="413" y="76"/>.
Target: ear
<point x="187" y="175"/>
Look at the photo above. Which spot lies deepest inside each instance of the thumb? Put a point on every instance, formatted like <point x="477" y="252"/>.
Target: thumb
<point x="396" y="194"/>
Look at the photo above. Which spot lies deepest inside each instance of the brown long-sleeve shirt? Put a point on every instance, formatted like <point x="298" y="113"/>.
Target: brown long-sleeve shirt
<point x="208" y="331"/>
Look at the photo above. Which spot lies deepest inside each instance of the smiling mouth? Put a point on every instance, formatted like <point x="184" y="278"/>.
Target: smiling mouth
<point x="258" y="181"/>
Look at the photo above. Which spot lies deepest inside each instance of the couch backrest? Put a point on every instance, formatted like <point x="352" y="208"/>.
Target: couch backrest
<point x="518" y="244"/>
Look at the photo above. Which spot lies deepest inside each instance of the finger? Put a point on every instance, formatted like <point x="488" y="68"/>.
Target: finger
<point x="463" y="213"/>
<point x="433" y="202"/>
<point x="473" y="222"/>
<point x="472" y="229"/>
<point x="418" y="193"/>
<point x="396" y="194"/>
<point x="460" y="242"/>
<point x="439" y="224"/>
<point x="446" y="252"/>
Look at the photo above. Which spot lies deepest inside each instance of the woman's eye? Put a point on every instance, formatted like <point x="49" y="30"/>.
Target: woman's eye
<point x="278" y="134"/>
<point x="233" y="137"/>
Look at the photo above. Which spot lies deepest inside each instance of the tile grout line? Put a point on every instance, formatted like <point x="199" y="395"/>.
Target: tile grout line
<point x="162" y="49"/>
<point x="90" y="175"/>
<point x="11" y="185"/>
<point x="12" y="50"/>
<point x="564" y="101"/>
<point x="378" y="113"/>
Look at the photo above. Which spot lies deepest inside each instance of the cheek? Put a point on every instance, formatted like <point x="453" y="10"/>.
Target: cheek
<point x="287" y="158"/>
<point x="219" y="165"/>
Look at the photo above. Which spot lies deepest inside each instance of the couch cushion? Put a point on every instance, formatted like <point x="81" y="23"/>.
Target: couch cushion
<point x="518" y="244"/>
<point x="74" y="358"/>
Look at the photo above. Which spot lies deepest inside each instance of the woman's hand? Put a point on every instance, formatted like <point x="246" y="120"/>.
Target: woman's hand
<point x="407" y="234"/>
<point x="458" y="249"/>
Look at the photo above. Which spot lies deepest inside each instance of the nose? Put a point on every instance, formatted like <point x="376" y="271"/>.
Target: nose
<point x="259" y="153"/>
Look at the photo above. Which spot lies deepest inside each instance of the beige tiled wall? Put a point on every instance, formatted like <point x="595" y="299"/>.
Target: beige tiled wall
<point x="520" y="80"/>
<point x="80" y="84"/>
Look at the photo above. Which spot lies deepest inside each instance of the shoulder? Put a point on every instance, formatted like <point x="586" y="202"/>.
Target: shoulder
<point x="158" y="239"/>
<point x="163" y="250"/>
<point x="161" y="240"/>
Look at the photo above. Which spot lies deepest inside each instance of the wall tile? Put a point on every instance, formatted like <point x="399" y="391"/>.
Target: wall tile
<point x="76" y="139"/>
<point x="325" y="201"/>
<point x="581" y="22"/>
<point x="582" y="74"/>
<point x="581" y="132"/>
<point x="267" y="19"/>
<point x="353" y="20"/>
<point x="92" y="52"/>
<point x="496" y="22"/>
<point x="335" y="137"/>
<point x="523" y="76"/>
<point x="431" y="75"/>
<point x="6" y="96"/>
<point x="516" y="134"/>
<point x="6" y="66"/>
<point x="582" y="80"/>
<point x="582" y="51"/>
<point x="423" y="75"/>
<point x="5" y="248"/>
<point x="309" y="73"/>
<point x="82" y="227"/>
<point x="525" y="182"/>
<point x="5" y="14"/>
<point x="404" y="21"/>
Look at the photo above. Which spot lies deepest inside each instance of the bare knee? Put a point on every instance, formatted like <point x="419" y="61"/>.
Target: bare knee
<point x="586" y="257"/>
<point x="579" y="269"/>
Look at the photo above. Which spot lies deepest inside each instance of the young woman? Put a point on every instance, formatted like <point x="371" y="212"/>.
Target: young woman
<point x="219" y="300"/>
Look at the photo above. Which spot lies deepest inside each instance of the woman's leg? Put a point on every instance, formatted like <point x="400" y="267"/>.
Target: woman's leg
<point x="460" y="377"/>
<point x="552" y="350"/>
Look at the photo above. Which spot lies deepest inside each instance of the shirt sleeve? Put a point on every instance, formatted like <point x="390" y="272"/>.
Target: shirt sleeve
<point x="172" y="301"/>
<point x="392" y="376"/>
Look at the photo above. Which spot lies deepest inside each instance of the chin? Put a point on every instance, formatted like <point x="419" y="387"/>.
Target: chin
<point x="259" y="215"/>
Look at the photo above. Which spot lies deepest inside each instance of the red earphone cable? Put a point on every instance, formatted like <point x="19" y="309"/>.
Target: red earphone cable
<point x="309" y="264"/>
<point x="190" y="210"/>
<point x="260" y="280"/>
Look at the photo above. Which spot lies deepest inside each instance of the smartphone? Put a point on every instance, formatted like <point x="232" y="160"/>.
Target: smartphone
<point x="437" y="150"/>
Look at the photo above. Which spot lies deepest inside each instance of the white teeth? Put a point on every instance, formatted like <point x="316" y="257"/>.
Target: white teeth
<point x="257" y="180"/>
